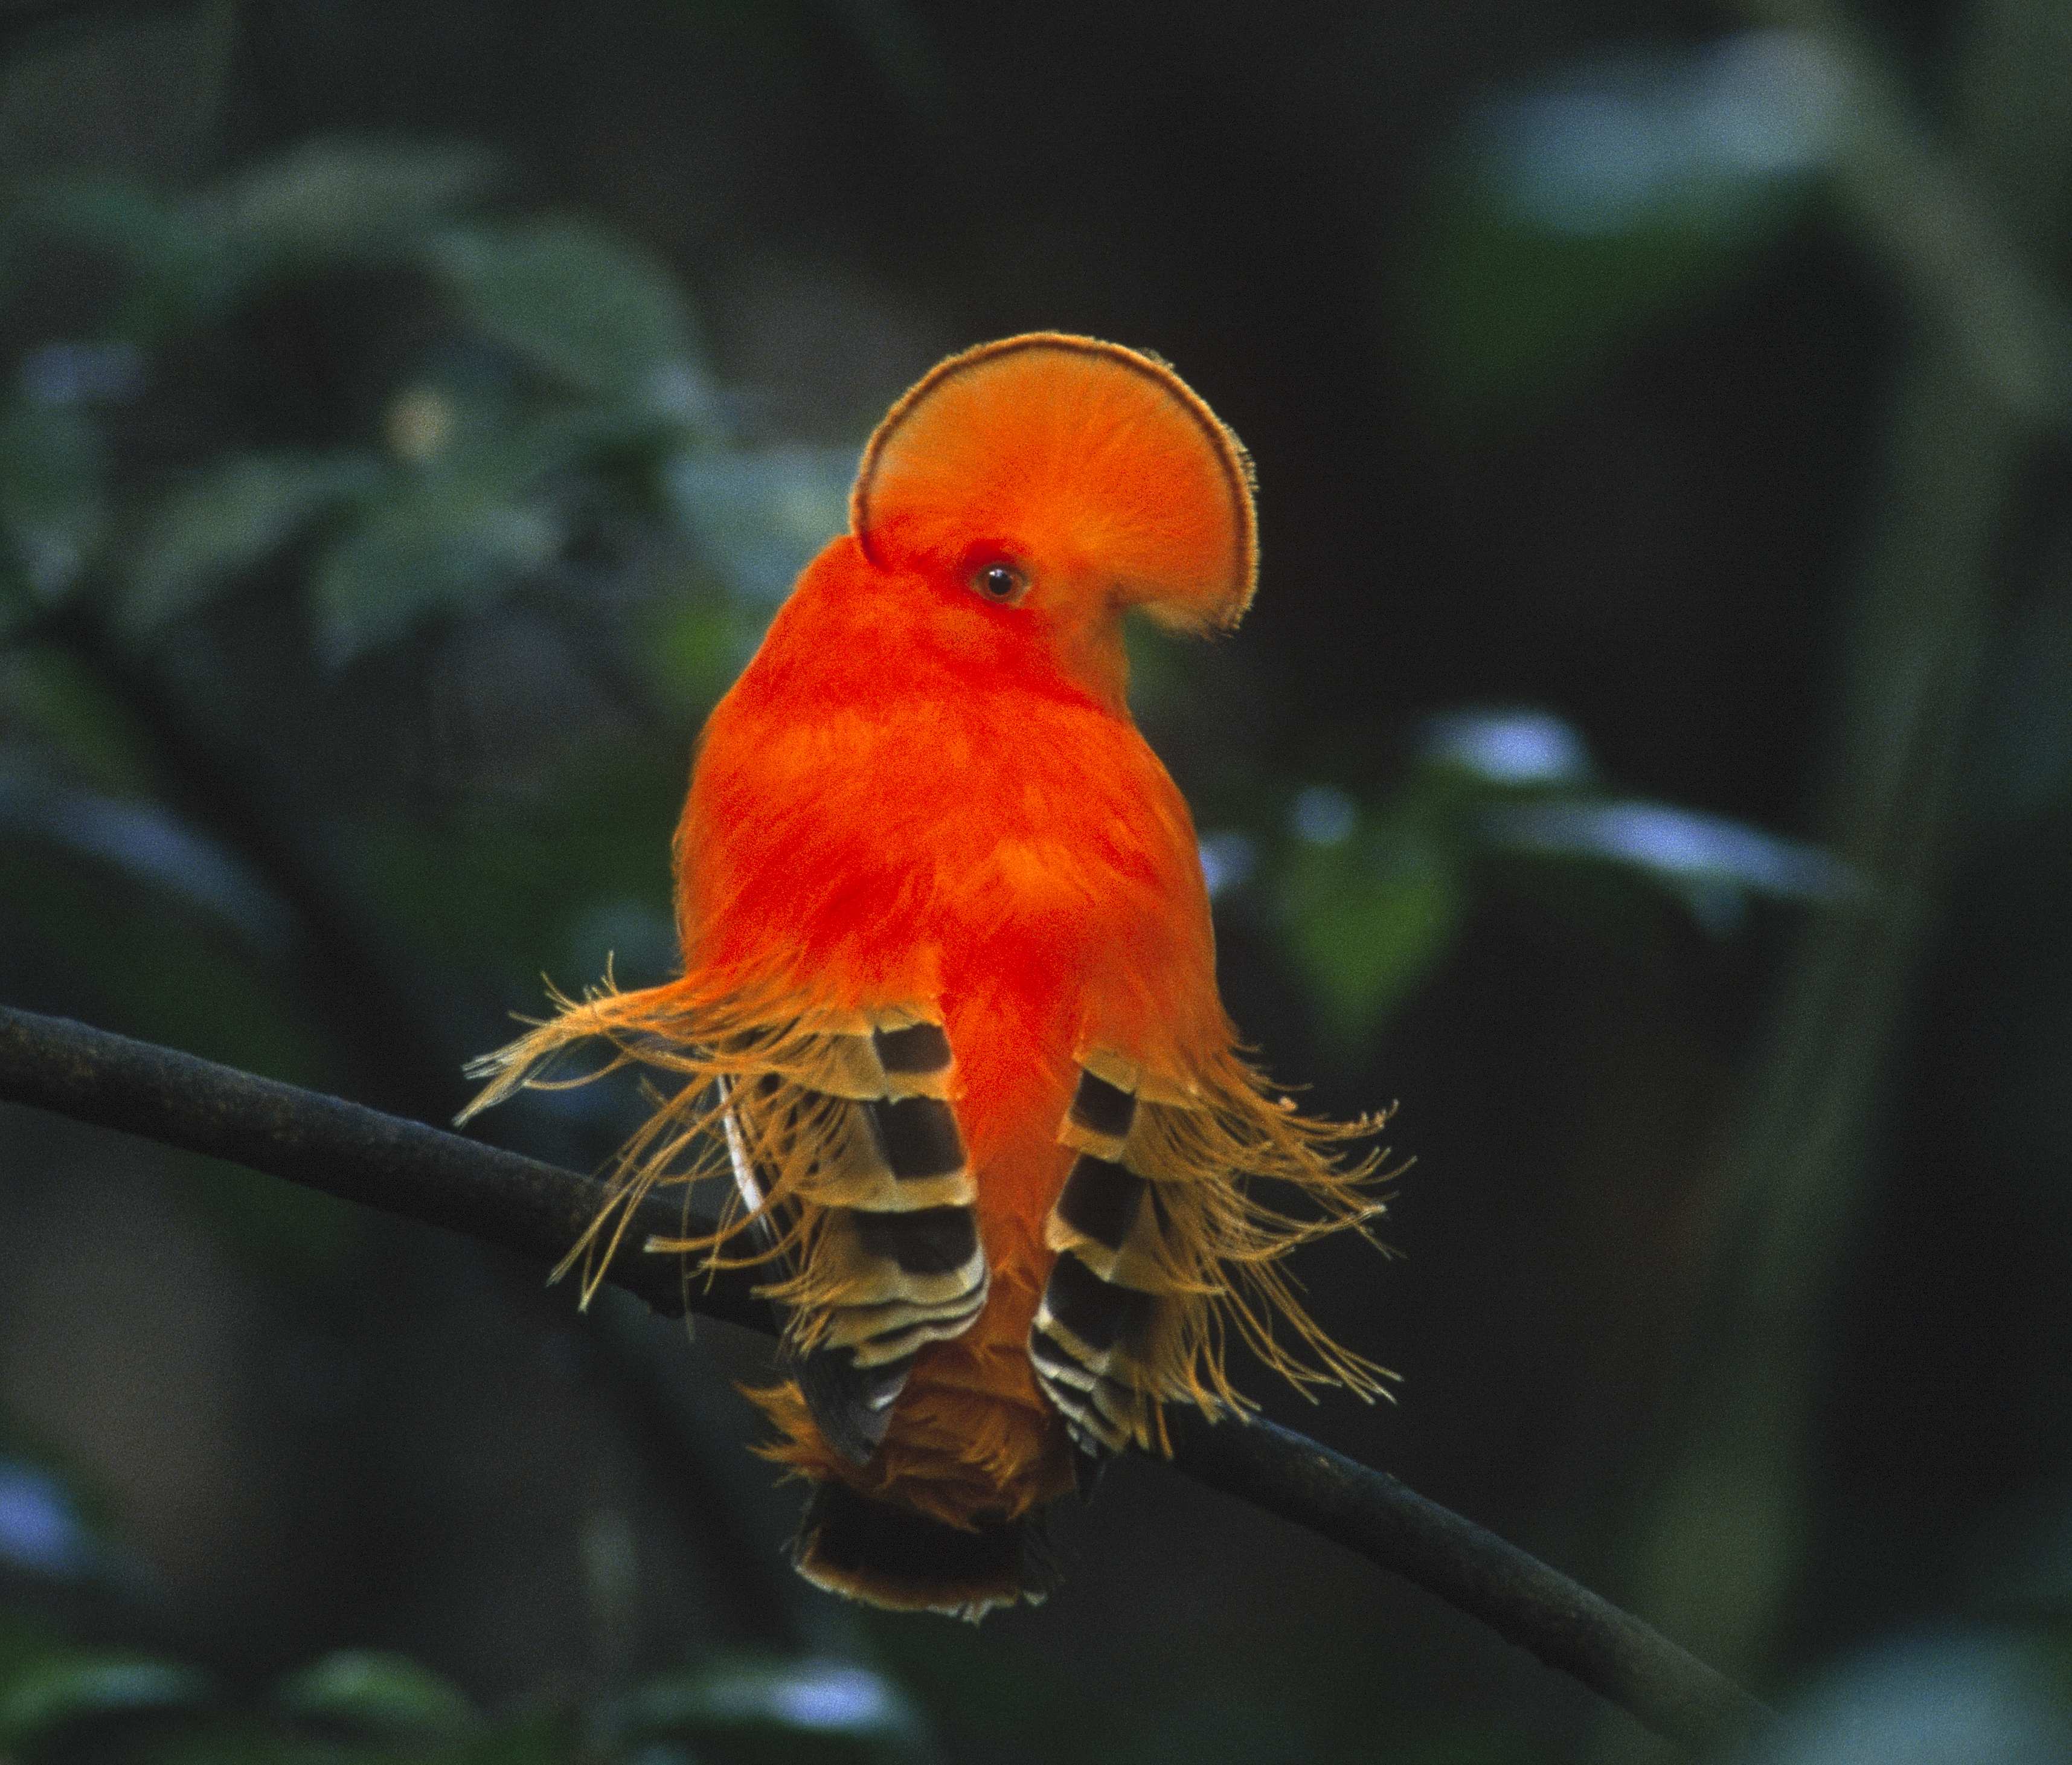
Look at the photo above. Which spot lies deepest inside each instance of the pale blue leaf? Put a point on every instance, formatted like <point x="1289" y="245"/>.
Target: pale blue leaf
<point x="1986" y="1697"/>
<point x="73" y="372"/>
<point x="1608" y="150"/>
<point x="41" y="1529"/>
<point x="1570" y="215"/>
<point x="1509" y="749"/>
<point x="145" y="843"/>
<point x="1323" y="815"/>
<point x="1674" y="845"/>
<point x="1229" y="859"/>
<point x="830" y="1703"/>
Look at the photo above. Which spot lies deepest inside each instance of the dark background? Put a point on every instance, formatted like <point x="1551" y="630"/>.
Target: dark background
<point x="1650" y="760"/>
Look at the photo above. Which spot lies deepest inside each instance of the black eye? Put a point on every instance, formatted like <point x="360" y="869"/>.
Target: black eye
<point x="1001" y="583"/>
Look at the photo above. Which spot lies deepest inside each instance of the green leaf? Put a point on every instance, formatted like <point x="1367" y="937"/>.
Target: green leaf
<point x="1568" y="217"/>
<point x="1368" y="917"/>
<point x="583" y="306"/>
<point x="231" y="516"/>
<point x="540" y="1737"/>
<point x="241" y="1739"/>
<point x="56" y="705"/>
<point x="52" y="509"/>
<point x="385" y="1694"/>
<point x="338" y="200"/>
<point x="142" y="231"/>
<point x="465" y="528"/>
<point x="24" y="1638"/>
<point x="488" y="903"/>
<point x="689" y="647"/>
<point x="325" y="202"/>
<point x="39" y="1696"/>
<point x="429" y="554"/>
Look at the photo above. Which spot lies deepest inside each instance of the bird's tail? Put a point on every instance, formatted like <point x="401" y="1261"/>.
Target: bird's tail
<point x="891" y="1556"/>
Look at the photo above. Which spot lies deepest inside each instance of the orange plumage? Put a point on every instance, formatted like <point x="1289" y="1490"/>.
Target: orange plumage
<point x="949" y="976"/>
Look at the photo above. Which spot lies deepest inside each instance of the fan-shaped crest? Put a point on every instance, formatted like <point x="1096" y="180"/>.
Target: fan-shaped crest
<point x="1073" y="456"/>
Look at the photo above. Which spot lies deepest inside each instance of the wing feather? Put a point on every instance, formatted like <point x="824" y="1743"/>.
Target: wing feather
<point x="876" y="1233"/>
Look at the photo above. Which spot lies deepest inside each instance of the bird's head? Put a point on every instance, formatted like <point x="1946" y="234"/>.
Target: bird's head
<point x="1038" y="488"/>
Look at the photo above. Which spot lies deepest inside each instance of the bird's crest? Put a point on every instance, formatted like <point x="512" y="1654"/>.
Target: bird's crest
<point x="1074" y="455"/>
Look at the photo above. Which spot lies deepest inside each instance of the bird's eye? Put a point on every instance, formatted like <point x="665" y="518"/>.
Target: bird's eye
<point x="1001" y="583"/>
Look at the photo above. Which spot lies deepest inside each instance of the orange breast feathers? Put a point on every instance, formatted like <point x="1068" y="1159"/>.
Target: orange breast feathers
<point x="886" y="822"/>
<point x="948" y="1034"/>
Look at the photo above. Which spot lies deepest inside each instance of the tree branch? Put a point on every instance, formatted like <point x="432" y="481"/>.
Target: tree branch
<point x="1521" y="1598"/>
<point x="538" y="1210"/>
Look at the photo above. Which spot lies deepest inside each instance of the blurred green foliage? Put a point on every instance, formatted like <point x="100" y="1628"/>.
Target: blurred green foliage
<point x="1571" y="216"/>
<point x="61" y="1702"/>
<point x="373" y="542"/>
<point x="1371" y="897"/>
<point x="554" y="425"/>
<point x="566" y="364"/>
<point x="563" y="386"/>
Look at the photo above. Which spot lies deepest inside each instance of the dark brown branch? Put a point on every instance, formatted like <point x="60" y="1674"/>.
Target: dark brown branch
<point x="537" y="1210"/>
<point x="343" y="1149"/>
<point x="379" y="1015"/>
<point x="1517" y="1595"/>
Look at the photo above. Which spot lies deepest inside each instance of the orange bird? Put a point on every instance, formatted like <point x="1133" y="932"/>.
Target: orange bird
<point x="948" y="1024"/>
